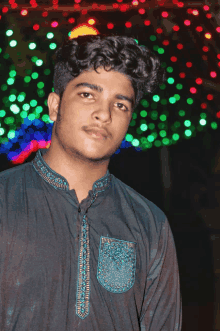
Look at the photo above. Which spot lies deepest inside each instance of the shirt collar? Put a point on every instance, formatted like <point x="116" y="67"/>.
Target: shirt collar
<point x="58" y="181"/>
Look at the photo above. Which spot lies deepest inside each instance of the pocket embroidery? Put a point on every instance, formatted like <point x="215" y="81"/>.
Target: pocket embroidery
<point x="116" y="264"/>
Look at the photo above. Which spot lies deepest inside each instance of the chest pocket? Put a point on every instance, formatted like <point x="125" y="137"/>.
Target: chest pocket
<point x="116" y="264"/>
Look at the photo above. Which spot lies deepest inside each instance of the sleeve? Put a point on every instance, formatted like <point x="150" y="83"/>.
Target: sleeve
<point x="162" y="306"/>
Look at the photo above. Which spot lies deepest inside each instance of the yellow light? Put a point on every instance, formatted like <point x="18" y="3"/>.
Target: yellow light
<point x="82" y="30"/>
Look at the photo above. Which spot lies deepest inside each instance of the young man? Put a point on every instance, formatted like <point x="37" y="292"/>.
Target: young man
<point x="79" y="249"/>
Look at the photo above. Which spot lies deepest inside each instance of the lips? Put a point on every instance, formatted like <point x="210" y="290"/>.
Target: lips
<point x="99" y="133"/>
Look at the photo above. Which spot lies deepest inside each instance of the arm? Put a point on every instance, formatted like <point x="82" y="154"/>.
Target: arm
<point x="162" y="306"/>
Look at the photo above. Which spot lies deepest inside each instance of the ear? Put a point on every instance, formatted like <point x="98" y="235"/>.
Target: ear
<point x="53" y="105"/>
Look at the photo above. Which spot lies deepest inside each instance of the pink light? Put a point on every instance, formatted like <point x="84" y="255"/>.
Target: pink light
<point x="54" y="24"/>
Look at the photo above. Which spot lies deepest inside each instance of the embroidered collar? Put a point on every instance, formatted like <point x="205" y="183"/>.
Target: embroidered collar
<point x="58" y="181"/>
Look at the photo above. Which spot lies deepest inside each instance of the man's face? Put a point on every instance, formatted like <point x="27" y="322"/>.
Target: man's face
<point x="83" y="108"/>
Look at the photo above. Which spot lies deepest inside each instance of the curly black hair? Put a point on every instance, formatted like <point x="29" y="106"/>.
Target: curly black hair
<point x="120" y="53"/>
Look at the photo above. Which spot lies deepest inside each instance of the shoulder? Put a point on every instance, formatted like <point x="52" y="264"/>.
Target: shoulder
<point x="142" y="207"/>
<point x="14" y="175"/>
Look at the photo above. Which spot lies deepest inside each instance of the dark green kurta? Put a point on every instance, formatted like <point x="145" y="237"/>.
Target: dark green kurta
<point x="106" y="264"/>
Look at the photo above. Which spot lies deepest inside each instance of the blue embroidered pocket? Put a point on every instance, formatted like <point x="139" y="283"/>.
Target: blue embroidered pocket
<point x="116" y="264"/>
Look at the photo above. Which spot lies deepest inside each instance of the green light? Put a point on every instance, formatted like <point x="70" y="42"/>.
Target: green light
<point x="187" y="123"/>
<point x="163" y="86"/>
<point x="189" y="101"/>
<point x="170" y="80"/>
<point x="13" y="43"/>
<point x="53" y="46"/>
<point x="144" y="103"/>
<point x="163" y="102"/>
<point x="155" y="48"/>
<point x="134" y="116"/>
<point x="143" y="127"/>
<point x="214" y="125"/>
<point x="135" y="142"/>
<point x="28" y="71"/>
<point x="162" y="133"/>
<point x="39" y="109"/>
<point x="129" y="137"/>
<point x="177" y="124"/>
<point x="34" y="75"/>
<point x="32" y="46"/>
<point x="27" y="79"/>
<point x="188" y="133"/>
<point x="21" y="97"/>
<point x="132" y="123"/>
<point x="9" y="33"/>
<point x="9" y="120"/>
<point x="26" y="106"/>
<point x="176" y="136"/>
<point x="157" y="143"/>
<point x="46" y="118"/>
<point x="179" y="86"/>
<point x="177" y="97"/>
<point x="156" y="98"/>
<point x="45" y="102"/>
<point x="151" y="126"/>
<point x="69" y="33"/>
<point x="11" y="134"/>
<point x="15" y="109"/>
<point x="23" y="114"/>
<point x="41" y="93"/>
<point x="12" y="97"/>
<point x="50" y="35"/>
<point x="166" y="141"/>
<point x="40" y="85"/>
<point x="10" y="81"/>
<point x="160" y="50"/>
<point x="202" y="121"/>
<point x="143" y="113"/>
<point x="153" y="38"/>
<point x="172" y="100"/>
<point x="182" y="113"/>
<point x="163" y="117"/>
<point x="34" y="59"/>
<point x="150" y="138"/>
<point x="136" y="40"/>
<point x="47" y="72"/>
<point x="31" y="117"/>
<point x="2" y="113"/>
<point x="163" y="64"/>
<point x="0" y="49"/>
<point x="169" y="69"/>
<point x="2" y="131"/>
<point x="203" y="115"/>
<point x="39" y="63"/>
<point x="12" y="73"/>
<point x="33" y="103"/>
<point x="154" y="115"/>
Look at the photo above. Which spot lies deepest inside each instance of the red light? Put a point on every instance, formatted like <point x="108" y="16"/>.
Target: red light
<point x="179" y="46"/>
<point x="218" y="29"/>
<point x="206" y="8"/>
<point x="45" y="14"/>
<point x="193" y="90"/>
<point x="110" y="26"/>
<point x="119" y="0"/>
<point x="159" y="30"/>
<point x="164" y="14"/>
<point x="209" y="96"/>
<point x="195" y="12"/>
<point x="189" y="10"/>
<point x="187" y="22"/>
<point x="219" y="64"/>
<point x="36" y="27"/>
<point x="84" y="11"/>
<point x="176" y="28"/>
<point x="218" y="114"/>
<point x="65" y="14"/>
<point x="95" y="6"/>
<point x="14" y="5"/>
<point x="54" y="24"/>
<point x="71" y="20"/>
<point x="213" y="74"/>
<point x="182" y="75"/>
<point x="128" y="24"/>
<point x="199" y="29"/>
<point x="173" y="58"/>
<point x="204" y="57"/>
<point x="4" y="10"/>
<point x="180" y="4"/>
<point x="203" y="105"/>
<point x="141" y="11"/>
<point x="205" y="49"/>
<point x="77" y="1"/>
<point x="166" y="42"/>
<point x="24" y="12"/>
<point x="218" y="56"/>
<point x="199" y="81"/>
<point x="189" y="64"/>
<point x="209" y="15"/>
<point x="147" y="22"/>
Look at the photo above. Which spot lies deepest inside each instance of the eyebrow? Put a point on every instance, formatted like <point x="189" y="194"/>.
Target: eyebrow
<point x="100" y="89"/>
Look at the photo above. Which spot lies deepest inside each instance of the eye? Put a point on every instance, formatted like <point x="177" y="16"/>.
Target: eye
<point x="85" y="93"/>
<point x="126" y="108"/>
